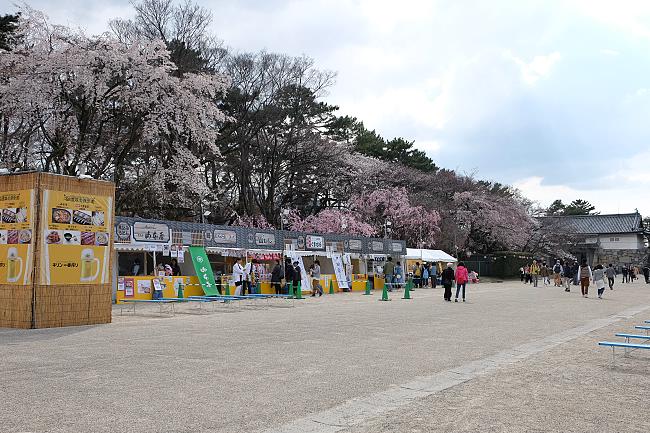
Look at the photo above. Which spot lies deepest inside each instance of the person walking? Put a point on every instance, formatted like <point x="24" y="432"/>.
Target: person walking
<point x="417" y="274"/>
<point x="646" y="274"/>
<point x="389" y="273"/>
<point x="447" y="280"/>
<point x="398" y="279"/>
<point x="544" y="272"/>
<point x="611" y="274"/>
<point x="315" y="278"/>
<point x="461" y="279"/>
<point x="625" y="272"/>
<point x="557" y="273"/>
<point x="433" y="273"/>
<point x="569" y="275"/>
<point x="585" y="275"/>
<point x="534" y="272"/>
<point x="599" y="280"/>
<point x="527" y="277"/>
<point x="277" y="274"/>
<point x="425" y="275"/>
<point x="522" y="274"/>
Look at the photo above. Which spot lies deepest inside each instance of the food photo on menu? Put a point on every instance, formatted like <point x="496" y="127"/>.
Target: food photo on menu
<point x="9" y="216"/>
<point x="101" y="239"/>
<point x="71" y="238"/>
<point x="98" y="218"/>
<point x="61" y="216"/>
<point x="3" y="237"/>
<point x="25" y="236"/>
<point x="21" y="215"/>
<point x="12" y="236"/>
<point x="53" y="237"/>
<point x="87" y="238"/>
<point x="82" y="217"/>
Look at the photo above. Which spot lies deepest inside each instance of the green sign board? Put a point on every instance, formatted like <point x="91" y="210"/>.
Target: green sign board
<point x="203" y="270"/>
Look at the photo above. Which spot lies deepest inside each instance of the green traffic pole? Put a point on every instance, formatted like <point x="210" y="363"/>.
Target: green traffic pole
<point x="384" y="294"/>
<point x="331" y="287"/>
<point x="299" y="291"/>
<point x="180" y="290"/>
<point x="407" y="292"/>
<point x="367" y="287"/>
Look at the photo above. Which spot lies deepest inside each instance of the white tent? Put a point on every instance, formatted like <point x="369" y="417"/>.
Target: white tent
<point x="428" y="255"/>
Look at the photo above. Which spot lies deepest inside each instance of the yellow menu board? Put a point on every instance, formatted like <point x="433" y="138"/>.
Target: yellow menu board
<point x="16" y="236"/>
<point x="76" y="238"/>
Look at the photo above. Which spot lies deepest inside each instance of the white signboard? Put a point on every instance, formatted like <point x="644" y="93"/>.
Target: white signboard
<point x="225" y="237"/>
<point x="315" y="242"/>
<point x="150" y="232"/>
<point x="305" y="280"/>
<point x="339" y="270"/>
<point x="264" y="239"/>
<point x="397" y="247"/>
<point x="355" y="244"/>
<point x="377" y="246"/>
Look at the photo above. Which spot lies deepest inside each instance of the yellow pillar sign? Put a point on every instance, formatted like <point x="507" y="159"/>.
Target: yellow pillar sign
<point x="76" y="238"/>
<point x="16" y="236"/>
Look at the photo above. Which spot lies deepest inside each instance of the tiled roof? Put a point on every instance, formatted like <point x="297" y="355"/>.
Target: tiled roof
<point x="595" y="224"/>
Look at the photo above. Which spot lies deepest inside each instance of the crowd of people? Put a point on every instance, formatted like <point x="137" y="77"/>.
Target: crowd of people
<point x="429" y="275"/>
<point x="568" y="273"/>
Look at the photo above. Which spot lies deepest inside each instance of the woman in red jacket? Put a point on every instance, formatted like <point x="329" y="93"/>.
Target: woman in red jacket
<point x="461" y="279"/>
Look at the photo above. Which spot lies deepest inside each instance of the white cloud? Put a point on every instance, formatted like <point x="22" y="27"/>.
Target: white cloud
<point x="608" y="52"/>
<point x="627" y="186"/>
<point x="538" y="67"/>
<point x="629" y="16"/>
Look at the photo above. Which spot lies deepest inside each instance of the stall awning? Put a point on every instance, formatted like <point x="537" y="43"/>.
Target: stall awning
<point x="131" y="247"/>
<point x="242" y="251"/>
<point x="428" y="255"/>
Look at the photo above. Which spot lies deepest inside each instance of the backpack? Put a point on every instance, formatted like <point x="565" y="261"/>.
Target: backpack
<point x="557" y="269"/>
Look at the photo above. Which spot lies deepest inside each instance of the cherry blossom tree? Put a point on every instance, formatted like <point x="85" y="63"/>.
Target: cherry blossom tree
<point x="256" y="221"/>
<point x="415" y="224"/>
<point x="334" y="221"/>
<point x="116" y="111"/>
<point x="491" y="222"/>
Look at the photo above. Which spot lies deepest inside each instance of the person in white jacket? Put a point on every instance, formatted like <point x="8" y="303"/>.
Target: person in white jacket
<point x="585" y="276"/>
<point x="240" y="276"/>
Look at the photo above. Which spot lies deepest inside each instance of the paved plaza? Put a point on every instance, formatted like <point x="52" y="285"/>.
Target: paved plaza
<point x="513" y="358"/>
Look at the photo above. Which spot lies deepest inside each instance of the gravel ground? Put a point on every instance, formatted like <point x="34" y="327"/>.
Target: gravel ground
<point x="572" y="388"/>
<point x="260" y="369"/>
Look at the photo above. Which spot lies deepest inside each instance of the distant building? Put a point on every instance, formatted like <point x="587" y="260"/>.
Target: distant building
<point x="619" y="239"/>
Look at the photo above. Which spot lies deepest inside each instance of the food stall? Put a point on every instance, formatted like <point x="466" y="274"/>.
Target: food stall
<point x="142" y="245"/>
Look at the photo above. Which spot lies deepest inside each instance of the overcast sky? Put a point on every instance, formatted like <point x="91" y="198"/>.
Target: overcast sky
<point x="550" y="96"/>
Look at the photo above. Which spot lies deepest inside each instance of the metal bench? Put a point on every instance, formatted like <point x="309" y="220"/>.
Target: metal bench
<point x="166" y="305"/>
<point x="628" y="337"/>
<point x="626" y="346"/>
<point x="200" y="302"/>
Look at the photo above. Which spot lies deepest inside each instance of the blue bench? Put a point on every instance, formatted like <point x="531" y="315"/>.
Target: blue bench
<point x="628" y="337"/>
<point x="625" y="346"/>
<point x="199" y="301"/>
<point x="645" y="328"/>
<point x="160" y="302"/>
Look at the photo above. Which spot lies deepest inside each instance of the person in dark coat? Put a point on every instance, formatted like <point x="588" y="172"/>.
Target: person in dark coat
<point x="297" y="277"/>
<point x="448" y="276"/>
<point x="277" y="274"/>
<point x="289" y="273"/>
